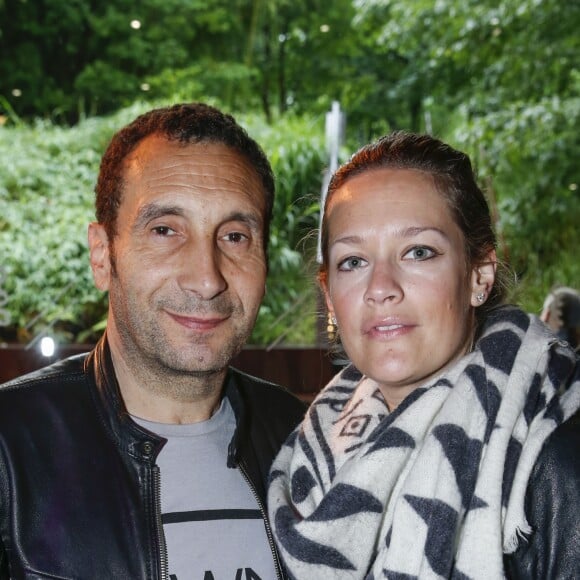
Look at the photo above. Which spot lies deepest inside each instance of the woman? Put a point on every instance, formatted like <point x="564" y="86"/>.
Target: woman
<point x="446" y="449"/>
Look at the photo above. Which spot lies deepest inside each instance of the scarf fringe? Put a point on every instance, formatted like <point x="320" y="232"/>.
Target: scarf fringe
<point x="520" y="536"/>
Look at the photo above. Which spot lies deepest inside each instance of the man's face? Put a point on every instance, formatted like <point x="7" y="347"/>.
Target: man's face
<point x="189" y="266"/>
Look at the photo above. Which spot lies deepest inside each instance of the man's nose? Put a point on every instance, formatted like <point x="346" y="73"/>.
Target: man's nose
<point x="201" y="270"/>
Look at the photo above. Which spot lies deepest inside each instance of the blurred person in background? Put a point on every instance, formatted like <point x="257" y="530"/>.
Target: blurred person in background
<point x="561" y="312"/>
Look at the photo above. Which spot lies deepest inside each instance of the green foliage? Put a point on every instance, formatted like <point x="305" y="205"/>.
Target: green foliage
<point x="498" y="78"/>
<point x="46" y="183"/>
<point x="68" y="58"/>
<point x="295" y="147"/>
<point x="227" y="82"/>
<point x="528" y="155"/>
<point x="65" y="59"/>
<point x="46" y="195"/>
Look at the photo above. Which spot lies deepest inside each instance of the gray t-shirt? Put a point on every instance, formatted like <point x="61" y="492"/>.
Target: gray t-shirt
<point x="213" y="526"/>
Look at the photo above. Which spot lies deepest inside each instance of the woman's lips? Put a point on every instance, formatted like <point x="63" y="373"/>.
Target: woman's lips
<point x="387" y="329"/>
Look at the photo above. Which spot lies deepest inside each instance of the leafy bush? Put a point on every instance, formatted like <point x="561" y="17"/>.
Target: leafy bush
<point x="295" y="147"/>
<point x="527" y="154"/>
<point x="46" y="197"/>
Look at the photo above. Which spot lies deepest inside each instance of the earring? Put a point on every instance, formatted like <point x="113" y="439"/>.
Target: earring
<point x="480" y="297"/>
<point x="333" y="319"/>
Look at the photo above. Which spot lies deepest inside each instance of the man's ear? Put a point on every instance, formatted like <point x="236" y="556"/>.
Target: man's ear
<point x="99" y="255"/>
<point x="482" y="279"/>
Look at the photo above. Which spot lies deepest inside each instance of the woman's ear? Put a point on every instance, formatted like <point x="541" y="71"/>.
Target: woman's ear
<point x="482" y="279"/>
<point x="323" y="281"/>
<point x="99" y="255"/>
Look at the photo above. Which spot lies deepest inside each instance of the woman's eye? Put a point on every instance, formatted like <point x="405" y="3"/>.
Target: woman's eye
<point x="420" y="253"/>
<point x="350" y="263"/>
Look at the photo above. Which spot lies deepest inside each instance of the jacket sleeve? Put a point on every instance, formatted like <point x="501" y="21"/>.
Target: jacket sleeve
<point x="3" y="563"/>
<point x="553" y="510"/>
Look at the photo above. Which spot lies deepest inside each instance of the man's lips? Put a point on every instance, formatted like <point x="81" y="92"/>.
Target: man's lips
<point x="198" y="323"/>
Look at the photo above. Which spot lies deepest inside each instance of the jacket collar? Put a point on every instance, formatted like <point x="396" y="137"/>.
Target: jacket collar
<point x="233" y="393"/>
<point x="132" y="438"/>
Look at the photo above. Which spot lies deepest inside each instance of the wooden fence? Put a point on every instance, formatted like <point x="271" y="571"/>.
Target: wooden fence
<point x="302" y="370"/>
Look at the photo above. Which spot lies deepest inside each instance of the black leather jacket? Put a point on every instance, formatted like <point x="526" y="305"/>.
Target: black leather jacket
<point x="552" y="552"/>
<point x="79" y="487"/>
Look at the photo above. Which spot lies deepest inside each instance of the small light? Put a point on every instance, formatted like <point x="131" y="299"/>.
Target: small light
<point x="573" y="186"/>
<point x="145" y="87"/>
<point x="135" y="24"/>
<point x="47" y="346"/>
<point x="16" y="93"/>
<point x="324" y="28"/>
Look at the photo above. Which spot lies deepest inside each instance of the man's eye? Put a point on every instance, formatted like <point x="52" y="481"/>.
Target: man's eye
<point x="350" y="263"/>
<point x="235" y="237"/>
<point x="420" y="253"/>
<point x="163" y="230"/>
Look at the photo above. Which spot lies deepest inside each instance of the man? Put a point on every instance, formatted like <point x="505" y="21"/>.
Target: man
<point x="148" y="457"/>
<point x="561" y="312"/>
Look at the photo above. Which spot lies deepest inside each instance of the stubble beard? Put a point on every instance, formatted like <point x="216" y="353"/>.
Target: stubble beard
<point x="181" y="373"/>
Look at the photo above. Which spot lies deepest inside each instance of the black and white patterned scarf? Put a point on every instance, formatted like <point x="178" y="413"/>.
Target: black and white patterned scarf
<point x="435" y="489"/>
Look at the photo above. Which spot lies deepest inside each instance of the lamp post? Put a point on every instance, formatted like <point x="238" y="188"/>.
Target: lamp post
<point x="335" y="129"/>
<point x="4" y="314"/>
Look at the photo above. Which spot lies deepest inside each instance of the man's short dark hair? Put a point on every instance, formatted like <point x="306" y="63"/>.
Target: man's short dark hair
<point x="185" y="123"/>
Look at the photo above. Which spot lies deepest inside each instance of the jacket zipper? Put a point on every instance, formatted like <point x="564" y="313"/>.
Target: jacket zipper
<point x="275" y="556"/>
<point x="163" y="560"/>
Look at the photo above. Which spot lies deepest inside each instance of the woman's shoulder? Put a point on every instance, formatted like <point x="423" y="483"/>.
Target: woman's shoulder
<point x="557" y="469"/>
<point x="553" y="510"/>
<point x="562" y="447"/>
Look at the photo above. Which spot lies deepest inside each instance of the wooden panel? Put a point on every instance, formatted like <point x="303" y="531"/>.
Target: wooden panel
<point x="303" y="370"/>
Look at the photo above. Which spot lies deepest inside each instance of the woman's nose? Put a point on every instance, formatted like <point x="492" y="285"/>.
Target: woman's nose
<point x="383" y="285"/>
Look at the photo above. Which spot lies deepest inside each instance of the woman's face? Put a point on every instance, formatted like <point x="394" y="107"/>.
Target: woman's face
<point x="397" y="279"/>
